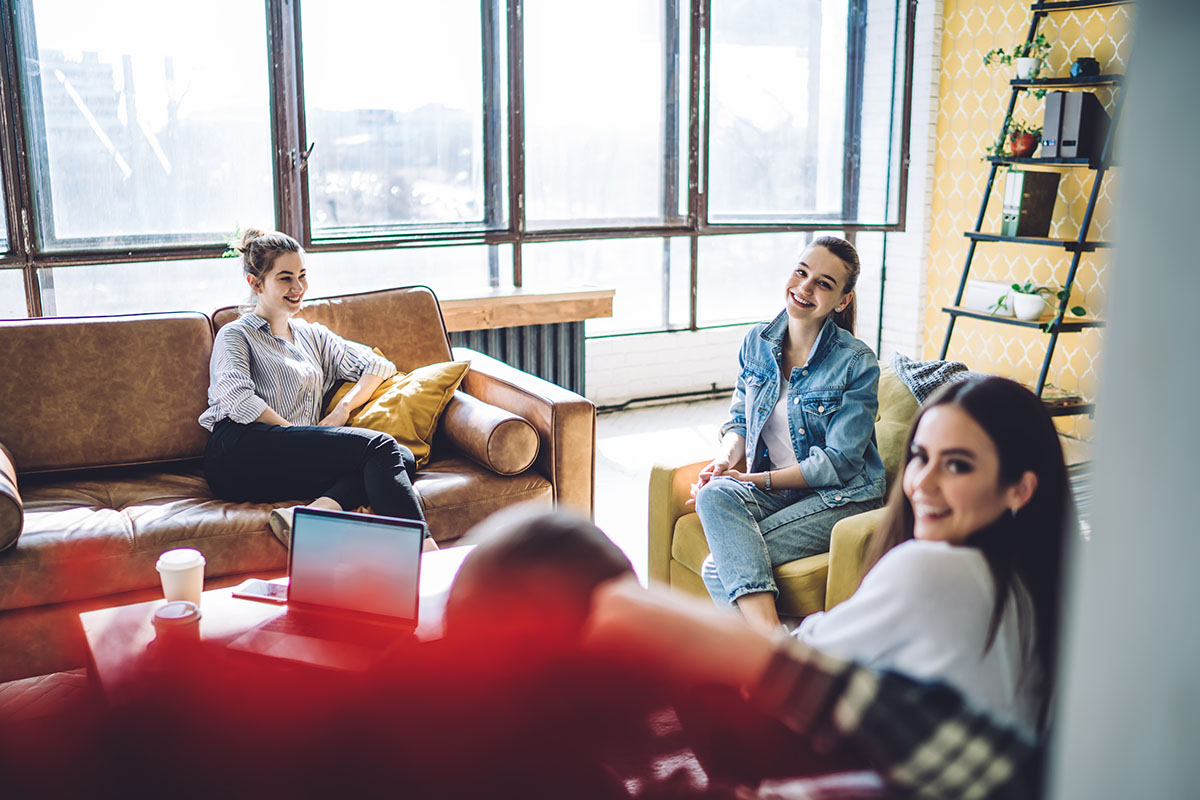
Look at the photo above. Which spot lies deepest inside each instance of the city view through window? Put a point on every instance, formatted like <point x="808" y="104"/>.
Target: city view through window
<point x="142" y="143"/>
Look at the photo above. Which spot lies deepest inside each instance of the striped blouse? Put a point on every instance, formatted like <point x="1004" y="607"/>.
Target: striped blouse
<point x="252" y="369"/>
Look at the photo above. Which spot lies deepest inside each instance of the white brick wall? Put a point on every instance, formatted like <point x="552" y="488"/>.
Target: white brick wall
<point x="904" y="291"/>
<point x="622" y="368"/>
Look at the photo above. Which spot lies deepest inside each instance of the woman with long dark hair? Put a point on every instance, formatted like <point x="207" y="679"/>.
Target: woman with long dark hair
<point x="961" y="581"/>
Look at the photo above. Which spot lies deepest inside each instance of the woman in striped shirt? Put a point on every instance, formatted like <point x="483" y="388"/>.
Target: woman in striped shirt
<point x="268" y="375"/>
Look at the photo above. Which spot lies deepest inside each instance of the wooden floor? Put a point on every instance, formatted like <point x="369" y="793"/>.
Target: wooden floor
<point x="628" y="443"/>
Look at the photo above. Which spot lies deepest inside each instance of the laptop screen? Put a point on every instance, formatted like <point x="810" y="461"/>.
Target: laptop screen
<point x="355" y="562"/>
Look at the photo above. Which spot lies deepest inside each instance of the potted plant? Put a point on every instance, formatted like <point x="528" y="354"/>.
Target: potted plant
<point x="1029" y="301"/>
<point x="1029" y="56"/>
<point x="1023" y="138"/>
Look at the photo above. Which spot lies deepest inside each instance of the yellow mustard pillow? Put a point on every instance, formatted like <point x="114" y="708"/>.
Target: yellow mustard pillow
<point x="408" y="406"/>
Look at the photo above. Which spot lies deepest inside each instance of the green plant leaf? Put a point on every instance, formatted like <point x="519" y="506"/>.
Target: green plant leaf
<point x="1079" y="311"/>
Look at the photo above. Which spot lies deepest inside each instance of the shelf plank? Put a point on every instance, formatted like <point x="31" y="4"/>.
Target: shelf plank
<point x="1068" y="408"/>
<point x="1071" y="5"/>
<point x="1046" y="162"/>
<point x="514" y="308"/>
<point x="1070" y="245"/>
<point x="1111" y="79"/>
<point x="1068" y="325"/>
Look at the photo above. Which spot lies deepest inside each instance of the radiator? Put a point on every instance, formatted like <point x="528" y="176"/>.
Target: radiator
<point x="553" y="352"/>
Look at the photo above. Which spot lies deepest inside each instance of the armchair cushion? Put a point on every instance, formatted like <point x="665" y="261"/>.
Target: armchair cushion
<point x="408" y="406"/>
<point x="500" y="440"/>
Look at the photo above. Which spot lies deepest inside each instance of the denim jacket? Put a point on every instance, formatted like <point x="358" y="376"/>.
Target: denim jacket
<point x="831" y="402"/>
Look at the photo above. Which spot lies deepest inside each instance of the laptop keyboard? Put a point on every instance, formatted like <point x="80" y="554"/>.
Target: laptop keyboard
<point x="317" y="626"/>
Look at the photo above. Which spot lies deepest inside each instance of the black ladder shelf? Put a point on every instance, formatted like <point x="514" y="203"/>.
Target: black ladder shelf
<point x="1059" y="322"/>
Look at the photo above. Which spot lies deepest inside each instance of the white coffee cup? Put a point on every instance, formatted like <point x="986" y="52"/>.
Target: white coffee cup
<point x="182" y="574"/>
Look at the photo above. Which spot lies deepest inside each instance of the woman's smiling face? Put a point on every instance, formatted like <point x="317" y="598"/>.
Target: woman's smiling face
<point x="952" y="478"/>
<point x="815" y="288"/>
<point x="283" y="288"/>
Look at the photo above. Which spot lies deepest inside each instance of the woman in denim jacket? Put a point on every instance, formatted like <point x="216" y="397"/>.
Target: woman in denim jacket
<point x="796" y="456"/>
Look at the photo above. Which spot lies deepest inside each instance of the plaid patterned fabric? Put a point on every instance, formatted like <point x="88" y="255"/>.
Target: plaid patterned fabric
<point x="922" y="738"/>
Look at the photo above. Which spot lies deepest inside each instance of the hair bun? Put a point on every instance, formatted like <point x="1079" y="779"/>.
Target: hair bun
<point x="248" y="237"/>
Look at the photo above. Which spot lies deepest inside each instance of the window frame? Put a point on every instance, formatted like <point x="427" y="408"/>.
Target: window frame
<point x="499" y="18"/>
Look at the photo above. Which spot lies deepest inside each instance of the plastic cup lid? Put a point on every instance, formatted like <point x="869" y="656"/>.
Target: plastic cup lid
<point x="177" y="612"/>
<point x="183" y="558"/>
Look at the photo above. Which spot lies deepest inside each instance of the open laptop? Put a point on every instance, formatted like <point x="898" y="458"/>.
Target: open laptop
<point x="352" y="590"/>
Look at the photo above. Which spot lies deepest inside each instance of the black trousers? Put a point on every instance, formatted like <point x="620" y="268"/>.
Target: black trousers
<point x="267" y="463"/>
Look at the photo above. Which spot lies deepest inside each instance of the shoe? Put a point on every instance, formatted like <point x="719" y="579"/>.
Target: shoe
<point x="280" y="521"/>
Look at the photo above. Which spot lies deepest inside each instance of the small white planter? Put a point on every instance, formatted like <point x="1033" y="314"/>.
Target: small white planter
<point x="1028" y="307"/>
<point x="1028" y="68"/>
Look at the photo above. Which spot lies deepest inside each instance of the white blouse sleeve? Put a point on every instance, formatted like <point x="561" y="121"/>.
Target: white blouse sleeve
<point x="919" y="597"/>
<point x="345" y="360"/>
<point x="231" y="388"/>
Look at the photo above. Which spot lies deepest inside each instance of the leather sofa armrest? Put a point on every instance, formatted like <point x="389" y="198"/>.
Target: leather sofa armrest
<point x="12" y="511"/>
<point x="565" y="423"/>
<point x="670" y="488"/>
<point x="500" y="440"/>
<point x="847" y="549"/>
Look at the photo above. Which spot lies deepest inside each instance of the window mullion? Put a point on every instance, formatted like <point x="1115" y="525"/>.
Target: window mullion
<point x="698" y="95"/>
<point x="288" y="150"/>
<point x="18" y="191"/>
<point x="856" y="36"/>
<point x="516" y="130"/>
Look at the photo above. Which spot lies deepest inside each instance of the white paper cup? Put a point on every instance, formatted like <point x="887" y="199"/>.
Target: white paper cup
<point x="182" y="574"/>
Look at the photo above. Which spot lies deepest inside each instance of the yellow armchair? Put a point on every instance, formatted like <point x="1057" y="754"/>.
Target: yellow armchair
<point x="678" y="546"/>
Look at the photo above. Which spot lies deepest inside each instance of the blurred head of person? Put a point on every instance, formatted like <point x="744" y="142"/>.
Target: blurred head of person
<point x="530" y="578"/>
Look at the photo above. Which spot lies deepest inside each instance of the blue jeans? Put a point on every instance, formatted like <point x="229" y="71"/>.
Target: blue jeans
<point x="750" y="532"/>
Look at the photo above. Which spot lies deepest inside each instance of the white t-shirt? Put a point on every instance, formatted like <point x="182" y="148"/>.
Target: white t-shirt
<point x="777" y="434"/>
<point x="924" y="610"/>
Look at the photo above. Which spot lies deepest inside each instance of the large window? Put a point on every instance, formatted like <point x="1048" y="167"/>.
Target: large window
<point x="682" y="153"/>
<point x="147" y="122"/>
<point x="397" y="119"/>
<point x="778" y="99"/>
<point x="602" y="127"/>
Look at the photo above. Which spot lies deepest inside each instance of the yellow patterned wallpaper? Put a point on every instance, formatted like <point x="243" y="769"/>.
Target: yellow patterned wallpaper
<point x="972" y="99"/>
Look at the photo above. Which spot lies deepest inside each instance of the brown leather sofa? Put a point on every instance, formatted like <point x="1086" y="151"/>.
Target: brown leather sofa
<point x="99" y="418"/>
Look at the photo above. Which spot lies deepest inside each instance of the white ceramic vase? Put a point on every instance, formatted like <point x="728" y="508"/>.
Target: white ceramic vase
<point x="1028" y="68"/>
<point x="1028" y="306"/>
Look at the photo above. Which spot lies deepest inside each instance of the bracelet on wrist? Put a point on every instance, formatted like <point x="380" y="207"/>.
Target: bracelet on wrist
<point x="767" y="481"/>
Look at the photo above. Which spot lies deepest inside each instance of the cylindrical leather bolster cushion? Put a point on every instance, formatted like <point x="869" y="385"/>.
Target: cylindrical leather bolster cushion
<point x="504" y="442"/>
<point x="12" y="513"/>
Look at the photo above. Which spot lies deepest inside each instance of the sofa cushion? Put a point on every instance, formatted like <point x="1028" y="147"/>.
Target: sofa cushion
<point x="70" y="403"/>
<point x="408" y="406"/>
<point x="897" y="409"/>
<point x="500" y="440"/>
<point x="926" y="377"/>
<point x="456" y="493"/>
<point x="11" y="510"/>
<point x="404" y="323"/>
<point x="88" y="536"/>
